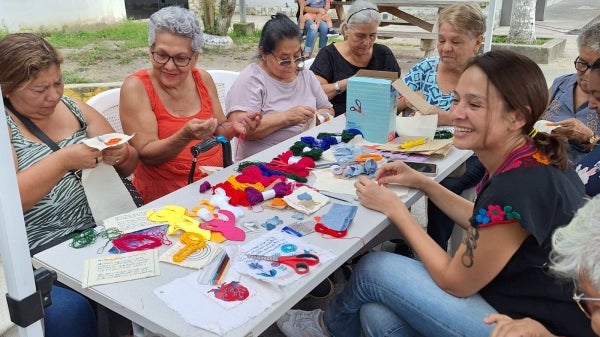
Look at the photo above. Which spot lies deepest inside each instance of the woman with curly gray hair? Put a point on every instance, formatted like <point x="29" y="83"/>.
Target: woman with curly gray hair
<point x="338" y="61"/>
<point x="173" y="105"/>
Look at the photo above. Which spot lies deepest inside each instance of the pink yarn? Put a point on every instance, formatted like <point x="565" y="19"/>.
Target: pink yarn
<point x="254" y="196"/>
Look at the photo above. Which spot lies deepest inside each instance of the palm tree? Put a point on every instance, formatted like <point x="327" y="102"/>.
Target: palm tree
<point x="216" y="17"/>
<point x="522" y="22"/>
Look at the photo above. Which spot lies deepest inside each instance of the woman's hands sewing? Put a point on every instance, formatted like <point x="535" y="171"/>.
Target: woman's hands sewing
<point x="372" y="193"/>
<point x="573" y="128"/>
<point x="199" y="129"/>
<point x="299" y="115"/>
<point x="79" y="157"/>
<point x="116" y="155"/>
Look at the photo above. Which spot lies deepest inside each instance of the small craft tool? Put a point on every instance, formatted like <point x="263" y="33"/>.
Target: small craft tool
<point x="412" y="143"/>
<point x="220" y="271"/>
<point x="298" y="262"/>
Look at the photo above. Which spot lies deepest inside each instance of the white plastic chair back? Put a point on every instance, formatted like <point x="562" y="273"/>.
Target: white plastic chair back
<point x="107" y="104"/>
<point x="223" y="80"/>
<point x="308" y="63"/>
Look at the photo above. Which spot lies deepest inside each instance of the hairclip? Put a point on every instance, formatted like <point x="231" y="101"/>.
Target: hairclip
<point x="361" y="10"/>
<point x="533" y="132"/>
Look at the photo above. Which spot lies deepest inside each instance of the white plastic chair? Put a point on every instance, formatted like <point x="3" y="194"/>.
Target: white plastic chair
<point x="223" y="81"/>
<point x="107" y="104"/>
<point x="308" y="63"/>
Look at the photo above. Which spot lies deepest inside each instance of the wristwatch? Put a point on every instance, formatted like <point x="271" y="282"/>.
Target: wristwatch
<point x="337" y="88"/>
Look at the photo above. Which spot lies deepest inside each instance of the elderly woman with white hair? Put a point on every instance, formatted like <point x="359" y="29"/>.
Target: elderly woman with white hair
<point x="173" y="105"/>
<point x="335" y="63"/>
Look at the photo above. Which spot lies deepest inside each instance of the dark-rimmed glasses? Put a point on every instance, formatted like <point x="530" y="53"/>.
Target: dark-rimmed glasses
<point x="581" y="65"/>
<point x="285" y="63"/>
<point x="580" y="299"/>
<point x="161" y="58"/>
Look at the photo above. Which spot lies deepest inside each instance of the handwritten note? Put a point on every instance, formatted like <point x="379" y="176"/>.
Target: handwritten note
<point x="130" y="222"/>
<point x="120" y="267"/>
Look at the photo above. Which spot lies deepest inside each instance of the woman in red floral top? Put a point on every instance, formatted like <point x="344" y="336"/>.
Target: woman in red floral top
<point x="502" y="265"/>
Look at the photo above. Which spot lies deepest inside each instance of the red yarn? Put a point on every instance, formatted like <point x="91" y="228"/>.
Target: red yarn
<point x="135" y="242"/>
<point x="252" y="174"/>
<point x="236" y="197"/>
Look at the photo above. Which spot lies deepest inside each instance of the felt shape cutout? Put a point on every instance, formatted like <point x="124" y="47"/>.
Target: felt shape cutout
<point x="544" y="126"/>
<point x="225" y="226"/>
<point x="177" y="219"/>
<point x="306" y="200"/>
<point x="107" y="140"/>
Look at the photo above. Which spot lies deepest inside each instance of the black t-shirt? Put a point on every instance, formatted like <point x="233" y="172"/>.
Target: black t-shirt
<point x="544" y="198"/>
<point x="333" y="67"/>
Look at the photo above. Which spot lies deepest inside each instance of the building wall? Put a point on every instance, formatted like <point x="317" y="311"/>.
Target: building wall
<point x="33" y="15"/>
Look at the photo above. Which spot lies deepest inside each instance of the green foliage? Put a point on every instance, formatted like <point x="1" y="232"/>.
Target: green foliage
<point x="241" y="38"/>
<point x="71" y="77"/>
<point x="503" y="38"/>
<point x="131" y="34"/>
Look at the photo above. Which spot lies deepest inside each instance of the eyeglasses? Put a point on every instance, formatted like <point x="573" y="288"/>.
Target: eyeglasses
<point x="581" y="65"/>
<point x="180" y="61"/>
<point x="284" y="63"/>
<point x="580" y="299"/>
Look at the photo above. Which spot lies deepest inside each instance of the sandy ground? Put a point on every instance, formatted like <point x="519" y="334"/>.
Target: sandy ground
<point x="235" y="58"/>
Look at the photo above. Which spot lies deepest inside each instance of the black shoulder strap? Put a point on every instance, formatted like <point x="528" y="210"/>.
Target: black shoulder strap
<point x="32" y="127"/>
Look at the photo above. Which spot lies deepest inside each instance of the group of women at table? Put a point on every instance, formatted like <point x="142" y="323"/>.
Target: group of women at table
<point x="499" y="269"/>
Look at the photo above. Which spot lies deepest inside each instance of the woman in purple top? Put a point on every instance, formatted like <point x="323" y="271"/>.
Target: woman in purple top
<point x="289" y="98"/>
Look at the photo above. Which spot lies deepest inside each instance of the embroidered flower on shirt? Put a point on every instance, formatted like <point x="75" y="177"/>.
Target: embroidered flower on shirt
<point x="541" y="158"/>
<point x="496" y="214"/>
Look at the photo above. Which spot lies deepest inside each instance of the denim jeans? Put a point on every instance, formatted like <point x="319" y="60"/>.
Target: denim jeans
<point x="70" y="314"/>
<point x="392" y="295"/>
<point x="311" y="35"/>
<point x="439" y="225"/>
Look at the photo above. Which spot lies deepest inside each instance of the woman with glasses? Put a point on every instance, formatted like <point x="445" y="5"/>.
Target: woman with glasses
<point x="172" y="106"/>
<point x="288" y="98"/>
<point x="339" y="61"/>
<point x="46" y="130"/>
<point x="575" y="255"/>
<point x="501" y="266"/>
<point x="568" y="106"/>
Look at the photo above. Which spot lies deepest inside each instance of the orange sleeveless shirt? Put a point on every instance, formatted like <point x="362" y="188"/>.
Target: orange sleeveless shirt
<point x="154" y="182"/>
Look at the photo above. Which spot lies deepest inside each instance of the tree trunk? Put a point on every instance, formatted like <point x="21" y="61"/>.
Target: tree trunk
<point x="522" y="22"/>
<point x="217" y="18"/>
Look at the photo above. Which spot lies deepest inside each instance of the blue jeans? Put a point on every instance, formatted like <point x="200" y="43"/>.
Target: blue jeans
<point x="70" y="314"/>
<point x="391" y="295"/>
<point x="439" y="225"/>
<point x="311" y="35"/>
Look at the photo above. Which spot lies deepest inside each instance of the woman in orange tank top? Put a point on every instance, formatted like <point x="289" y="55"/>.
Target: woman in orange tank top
<point x="173" y="106"/>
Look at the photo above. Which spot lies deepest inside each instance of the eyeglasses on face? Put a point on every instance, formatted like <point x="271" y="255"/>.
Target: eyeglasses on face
<point x="161" y="58"/>
<point x="285" y="63"/>
<point x="581" y="300"/>
<point x="581" y="65"/>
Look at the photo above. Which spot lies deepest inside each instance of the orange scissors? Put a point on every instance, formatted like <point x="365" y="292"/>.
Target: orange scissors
<point x="298" y="262"/>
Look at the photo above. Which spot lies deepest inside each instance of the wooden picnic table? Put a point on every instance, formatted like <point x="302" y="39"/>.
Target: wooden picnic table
<point x="398" y="8"/>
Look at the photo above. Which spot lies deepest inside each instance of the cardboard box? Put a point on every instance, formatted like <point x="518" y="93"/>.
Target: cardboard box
<point x="371" y="105"/>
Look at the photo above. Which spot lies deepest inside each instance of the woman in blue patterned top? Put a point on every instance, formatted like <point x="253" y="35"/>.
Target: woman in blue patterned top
<point x="569" y="98"/>
<point x="502" y="264"/>
<point x="460" y="34"/>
